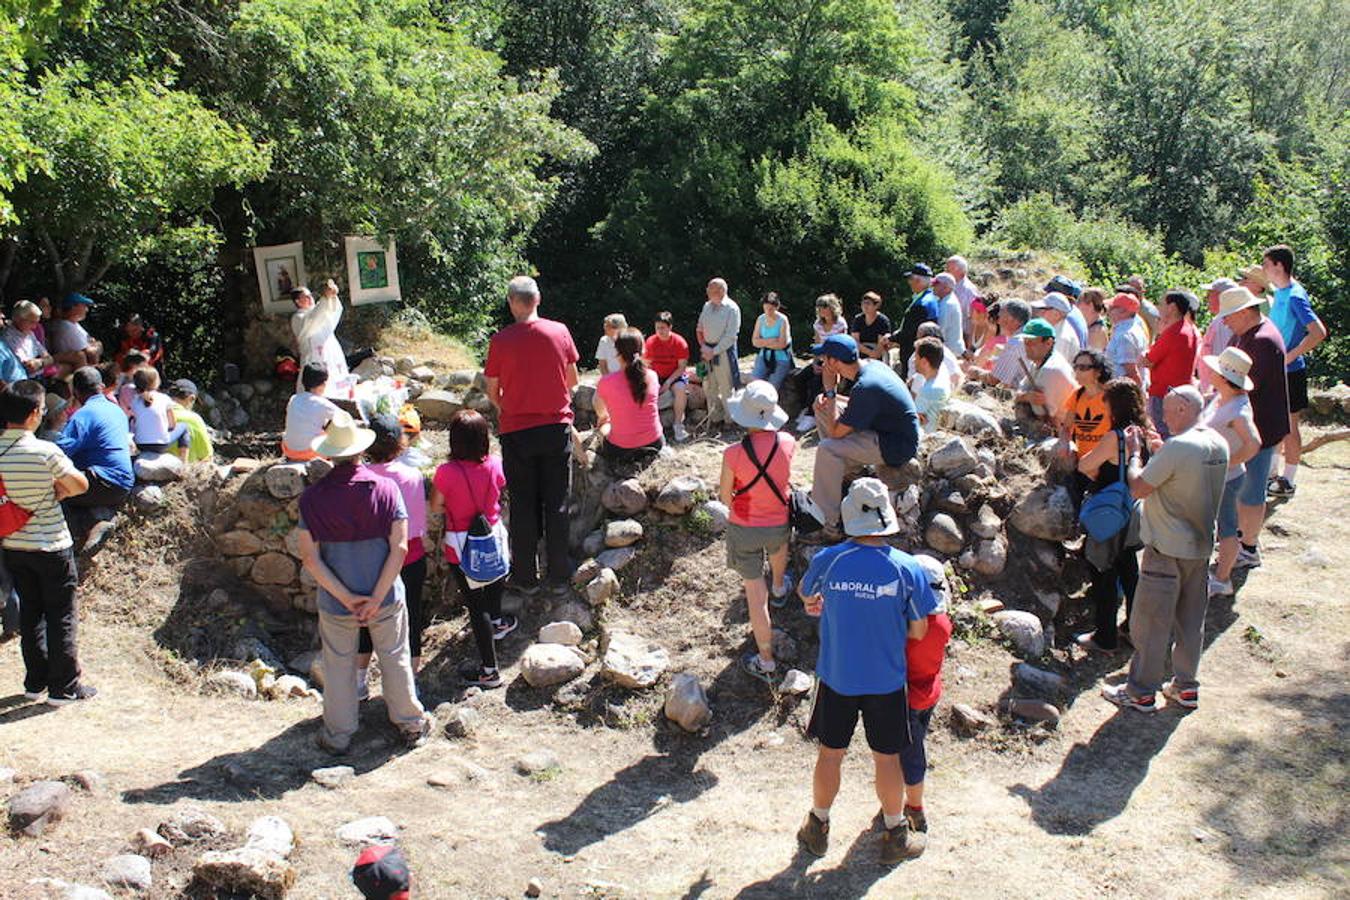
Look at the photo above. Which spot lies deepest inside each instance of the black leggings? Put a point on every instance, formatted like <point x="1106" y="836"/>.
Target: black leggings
<point x="414" y="577"/>
<point x="1105" y="593"/>
<point x="484" y="604"/>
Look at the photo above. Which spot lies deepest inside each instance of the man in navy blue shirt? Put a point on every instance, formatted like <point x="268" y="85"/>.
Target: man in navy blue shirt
<point x="875" y="425"/>
<point x="98" y="442"/>
<point x="871" y="599"/>
<point x="923" y="307"/>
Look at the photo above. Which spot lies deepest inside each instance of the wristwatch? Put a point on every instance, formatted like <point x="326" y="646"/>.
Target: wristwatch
<point x="829" y="395"/>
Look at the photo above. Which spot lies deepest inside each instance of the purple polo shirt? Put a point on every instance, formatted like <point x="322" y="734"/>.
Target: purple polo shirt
<point x="349" y="514"/>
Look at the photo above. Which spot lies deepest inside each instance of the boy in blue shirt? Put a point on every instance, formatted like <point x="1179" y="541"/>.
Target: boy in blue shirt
<point x="870" y="598"/>
<point x="1302" y="330"/>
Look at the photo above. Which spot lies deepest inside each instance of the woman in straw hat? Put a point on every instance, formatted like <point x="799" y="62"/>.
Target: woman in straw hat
<point x="353" y="540"/>
<point x="1230" y="414"/>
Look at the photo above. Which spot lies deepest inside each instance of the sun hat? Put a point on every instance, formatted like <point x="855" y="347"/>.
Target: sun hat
<point x="342" y="437"/>
<point x="756" y="406"/>
<point x="936" y="573"/>
<point x="1055" y="300"/>
<point x="1125" y="301"/>
<point x="1221" y="285"/>
<point x="920" y="269"/>
<point x="1235" y="300"/>
<point x="381" y="873"/>
<point x="1038" y="328"/>
<point x="867" y="510"/>
<point x="1233" y="364"/>
<point x="1256" y="275"/>
<point x="838" y="346"/>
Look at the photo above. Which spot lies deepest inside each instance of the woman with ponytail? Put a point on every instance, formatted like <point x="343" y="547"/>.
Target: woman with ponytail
<point x="631" y="425"/>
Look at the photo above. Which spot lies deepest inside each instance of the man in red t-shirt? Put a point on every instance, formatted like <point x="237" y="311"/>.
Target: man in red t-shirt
<point x="1171" y="359"/>
<point x="531" y="370"/>
<point x="923" y="665"/>
<point x="667" y="353"/>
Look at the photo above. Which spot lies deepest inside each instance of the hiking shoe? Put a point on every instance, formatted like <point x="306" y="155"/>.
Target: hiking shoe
<point x="754" y="667"/>
<point x="1279" y="486"/>
<point x="918" y="832"/>
<point x="480" y="677"/>
<point x="1088" y="642"/>
<point x="814" y="835"/>
<point x="1121" y="697"/>
<point x="1188" y="698"/>
<point x="83" y="692"/>
<point x="416" y="737"/>
<point x="896" y="845"/>
<point x="777" y="600"/>
<point x="805" y="422"/>
<point x="97" y="535"/>
<point x="1219" y="588"/>
<point x="1248" y="559"/>
<point x="681" y="433"/>
<point x="504" y="626"/>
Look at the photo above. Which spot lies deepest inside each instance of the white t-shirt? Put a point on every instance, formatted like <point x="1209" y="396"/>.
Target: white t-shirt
<point x="307" y="415"/>
<point x="65" y="336"/>
<point x="1066" y="340"/>
<point x="1055" y="379"/>
<point x="949" y="372"/>
<point x="605" y="352"/>
<point x="150" y="418"/>
<point x="1221" y="416"/>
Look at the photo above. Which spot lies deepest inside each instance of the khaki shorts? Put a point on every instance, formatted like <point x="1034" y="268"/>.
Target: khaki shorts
<point x="748" y="546"/>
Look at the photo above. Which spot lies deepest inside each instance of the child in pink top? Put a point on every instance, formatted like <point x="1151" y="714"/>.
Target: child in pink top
<point x="470" y="483"/>
<point x="758" y="523"/>
<point x="631" y="423"/>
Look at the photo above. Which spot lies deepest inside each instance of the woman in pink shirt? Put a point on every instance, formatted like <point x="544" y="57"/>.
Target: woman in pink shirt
<point x="758" y="521"/>
<point x="470" y="483"/>
<point x="389" y="444"/>
<point x="631" y="424"/>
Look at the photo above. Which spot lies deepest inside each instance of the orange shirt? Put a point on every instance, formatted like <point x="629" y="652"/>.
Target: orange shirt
<point x="1088" y="419"/>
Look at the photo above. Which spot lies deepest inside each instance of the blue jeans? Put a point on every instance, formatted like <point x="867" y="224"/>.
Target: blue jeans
<point x="1155" y="412"/>
<point x="1253" y="491"/>
<point x="781" y="369"/>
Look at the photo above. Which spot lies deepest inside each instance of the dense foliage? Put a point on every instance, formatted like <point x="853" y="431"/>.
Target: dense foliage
<point x="627" y="150"/>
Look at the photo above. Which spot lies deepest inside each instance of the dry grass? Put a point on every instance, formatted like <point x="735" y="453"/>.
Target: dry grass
<point x="426" y="347"/>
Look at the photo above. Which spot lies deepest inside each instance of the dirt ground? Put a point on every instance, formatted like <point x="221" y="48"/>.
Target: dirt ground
<point x="1244" y="797"/>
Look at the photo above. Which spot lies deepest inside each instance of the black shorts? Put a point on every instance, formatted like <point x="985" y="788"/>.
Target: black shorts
<point x="1298" y="390"/>
<point x="834" y="717"/>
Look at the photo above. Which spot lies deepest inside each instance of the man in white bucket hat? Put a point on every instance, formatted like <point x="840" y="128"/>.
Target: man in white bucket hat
<point x="353" y="539"/>
<point x="1230" y="414"/>
<point x="870" y="598"/>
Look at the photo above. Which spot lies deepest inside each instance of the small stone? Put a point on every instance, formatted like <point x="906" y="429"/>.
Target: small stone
<point x="687" y="703"/>
<point x="158" y="468"/>
<point x="273" y="568"/>
<point x="633" y="662"/>
<point x="797" y="682"/>
<point x="1039" y="681"/>
<point x="970" y="721"/>
<point x="616" y="558"/>
<point x="1313" y="558"/>
<point x="70" y="891"/>
<point x="87" y="780"/>
<point x="770" y="741"/>
<point x="148" y="498"/>
<point x="966" y="418"/>
<point x="286" y="480"/>
<point x="146" y="843"/>
<point x="952" y="459"/>
<point x="1200" y="835"/>
<point x="991" y="558"/>
<point x="953" y="502"/>
<point x="989" y="606"/>
<point x="333" y="777"/>
<point x="537" y="762"/>
<point x="545" y="665"/>
<point x="229" y="681"/>
<point x="462" y="722"/>
<point x="1034" y="711"/>
<point x="1047" y="513"/>
<point x="1023" y="630"/>
<point x="40" y="804"/>
<point x="907" y="500"/>
<point x="424" y="374"/>
<point x="239" y="543"/>
<point x="127" y="870"/>
<point x="270" y="834"/>
<point x="585" y="573"/>
<point x="251" y="872"/>
<point x="577" y="613"/>
<point x="624" y="498"/>
<point x="987" y="524"/>
<point x="681" y="494"/>
<point x="370" y="830"/>
<point x="594" y="543"/>
<point x="718" y="516"/>
<point x="603" y="587"/>
<point x="622" y="532"/>
<point x="438" y="406"/>
<point x="566" y="633"/>
<point x="189" y="825"/>
<point x="944" y="535"/>
<point x="289" y="687"/>
<point x="534" y="888"/>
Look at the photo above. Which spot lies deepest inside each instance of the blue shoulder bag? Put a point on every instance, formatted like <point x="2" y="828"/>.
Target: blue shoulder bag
<point x="1105" y="513"/>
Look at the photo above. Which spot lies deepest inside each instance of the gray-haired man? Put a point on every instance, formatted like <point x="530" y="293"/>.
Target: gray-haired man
<point x="719" y="326"/>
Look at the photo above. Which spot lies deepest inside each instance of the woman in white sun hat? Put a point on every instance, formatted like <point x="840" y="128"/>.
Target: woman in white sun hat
<point x="755" y="487"/>
<point x="1230" y="414"/>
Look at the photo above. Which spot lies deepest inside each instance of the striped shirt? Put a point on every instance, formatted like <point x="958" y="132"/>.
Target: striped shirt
<point x="1008" y="367"/>
<point x="30" y="468"/>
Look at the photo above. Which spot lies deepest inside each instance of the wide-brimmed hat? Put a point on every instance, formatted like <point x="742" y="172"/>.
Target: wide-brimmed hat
<point x="1256" y="275"/>
<point x="867" y="510"/>
<point x="756" y="406"/>
<point x="1233" y="364"/>
<point x="1235" y="300"/>
<point x="342" y="437"/>
<point x="937" y="578"/>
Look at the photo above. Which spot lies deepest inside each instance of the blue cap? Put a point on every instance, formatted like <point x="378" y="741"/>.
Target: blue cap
<point x="75" y="299"/>
<point x="838" y="346"/>
<point x="1063" y="285"/>
<point x="920" y="269"/>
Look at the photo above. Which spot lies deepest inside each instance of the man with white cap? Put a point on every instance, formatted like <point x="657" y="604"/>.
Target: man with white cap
<point x="1054" y="307"/>
<point x="755" y="486"/>
<point x="353" y="540"/>
<point x="1072" y="291"/>
<point x="950" y="317"/>
<point x="1181" y="488"/>
<point x="1230" y="414"/>
<point x="870" y="598"/>
<point x="875" y="425"/>
<point x="1258" y="337"/>
<point x="1217" y="334"/>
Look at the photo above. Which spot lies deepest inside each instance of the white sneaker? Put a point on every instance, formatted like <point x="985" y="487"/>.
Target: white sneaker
<point x="681" y="433"/>
<point x="805" y="422"/>
<point x="1219" y="588"/>
<point x="1248" y="559"/>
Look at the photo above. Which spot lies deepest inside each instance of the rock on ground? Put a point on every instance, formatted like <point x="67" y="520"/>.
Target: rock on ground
<point x="991" y="557"/>
<point x="246" y="871"/>
<point x="1034" y="711"/>
<point x="1023" y="630"/>
<point x="718" y="515"/>
<point x="270" y="834"/>
<point x="148" y="498"/>
<point x="127" y="870"/>
<point x="544" y="665"/>
<point x="687" y="703"/>
<point x="953" y="459"/>
<point x="566" y="633"/>
<point x="438" y="406"/>
<point x="189" y="825"/>
<point x="1042" y="683"/>
<point x="680" y="494"/>
<point x="286" y="481"/>
<point x="622" y="532"/>
<point x="603" y="587"/>
<point x="370" y="830"/>
<point x="968" y="720"/>
<point x="333" y="776"/>
<point x="40" y="804"/>
<point x="536" y="762"/>
<point x="273" y="568"/>
<point x="146" y="842"/>
<point x="624" y="498"/>
<point x="158" y="468"/>
<point x="239" y="543"/>
<point x="229" y="681"/>
<point x="1046" y="512"/>
<point x="944" y="535"/>
<point x="633" y="662"/>
<point x="796" y="682"/>
<point x="616" y="558"/>
<point x="987" y="524"/>
<point x="462" y="722"/>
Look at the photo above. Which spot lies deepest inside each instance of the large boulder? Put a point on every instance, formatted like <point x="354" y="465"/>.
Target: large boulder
<point x="438" y="406"/>
<point x="953" y="459"/>
<point x="966" y="418"/>
<point x="40" y="804"/>
<point x="633" y="662"/>
<point x="624" y="498"/>
<point x="1023" y="630"/>
<point x="286" y="481"/>
<point x="944" y="535"/>
<point x="1046" y="512"/>
<point x="544" y="665"/>
<point x="681" y="494"/>
<point x="273" y="568"/>
<point x="158" y="468"/>
<point x="247" y="871"/>
<point x="687" y="703"/>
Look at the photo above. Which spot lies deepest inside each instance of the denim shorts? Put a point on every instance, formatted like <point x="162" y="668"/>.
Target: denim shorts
<point x="1228" y="504"/>
<point x="1253" y="491"/>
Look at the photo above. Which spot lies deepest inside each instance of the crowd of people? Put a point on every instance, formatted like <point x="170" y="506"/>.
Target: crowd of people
<point x="1178" y="429"/>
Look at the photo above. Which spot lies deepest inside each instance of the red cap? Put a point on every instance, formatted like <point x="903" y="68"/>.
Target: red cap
<point x="1127" y="302"/>
<point x="381" y="873"/>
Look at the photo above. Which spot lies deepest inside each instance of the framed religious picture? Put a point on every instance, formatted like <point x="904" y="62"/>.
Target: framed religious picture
<point x="372" y="270"/>
<point x="280" y="269"/>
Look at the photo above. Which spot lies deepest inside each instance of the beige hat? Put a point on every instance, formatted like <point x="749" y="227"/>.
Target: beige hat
<point x="756" y="406"/>
<point x="342" y="437"/>
<point x="1257" y="276"/>
<point x="867" y="510"/>
<point x="1235" y="300"/>
<point x="1233" y="364"/>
